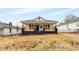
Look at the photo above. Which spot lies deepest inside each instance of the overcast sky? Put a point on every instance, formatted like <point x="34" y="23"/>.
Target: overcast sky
<point x="16" y="15"/>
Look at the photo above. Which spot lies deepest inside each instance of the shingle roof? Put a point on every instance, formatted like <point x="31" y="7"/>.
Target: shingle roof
<point x="71" y="21"/>
<point x="5" y="25"/>
<point x="39" y="20"/>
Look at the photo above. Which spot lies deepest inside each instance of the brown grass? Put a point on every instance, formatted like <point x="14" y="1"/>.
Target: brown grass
<point x="46" y="42"/>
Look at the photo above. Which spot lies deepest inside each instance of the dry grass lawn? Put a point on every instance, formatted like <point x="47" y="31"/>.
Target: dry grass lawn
<point x="46" y="42"/>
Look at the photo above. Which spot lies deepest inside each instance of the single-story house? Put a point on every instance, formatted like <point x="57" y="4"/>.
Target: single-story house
<point x="70" y="26"/>
<point x="9" y="29"/>
<point x="39" y="25"/>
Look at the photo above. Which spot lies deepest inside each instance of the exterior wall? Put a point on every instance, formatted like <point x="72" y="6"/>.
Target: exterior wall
<point x="13" y="31"/>
<point x="19" y="31"/>
<point x="68" y="28"/>
<point x="7" y="31"/>
<point x="62" y="28"/>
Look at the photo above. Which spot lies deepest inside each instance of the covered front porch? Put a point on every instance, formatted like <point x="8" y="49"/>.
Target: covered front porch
<point x="39" y="28"/>
<point x="42" y="27"/>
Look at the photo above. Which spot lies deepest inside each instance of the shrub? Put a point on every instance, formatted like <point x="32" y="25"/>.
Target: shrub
<point x="34" y="44"/>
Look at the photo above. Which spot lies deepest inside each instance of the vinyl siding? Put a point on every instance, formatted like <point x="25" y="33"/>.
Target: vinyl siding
<point x="7" y="31"/>
<point x="13" y="31"/>
<point x="71" y="27"/>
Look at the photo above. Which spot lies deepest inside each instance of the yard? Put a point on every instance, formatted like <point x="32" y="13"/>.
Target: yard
<point x="46" y="42"/>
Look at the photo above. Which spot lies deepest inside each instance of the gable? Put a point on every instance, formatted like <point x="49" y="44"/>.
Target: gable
<point x="39" y="19"/>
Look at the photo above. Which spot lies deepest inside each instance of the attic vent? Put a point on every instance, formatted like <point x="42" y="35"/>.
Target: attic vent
<point x="39" y="18"/>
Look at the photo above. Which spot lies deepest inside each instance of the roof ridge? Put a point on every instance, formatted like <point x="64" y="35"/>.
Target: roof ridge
<point x="7" y="25"/>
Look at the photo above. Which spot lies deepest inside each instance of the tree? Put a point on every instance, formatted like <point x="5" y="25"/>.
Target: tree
<point x="69" y="18"/>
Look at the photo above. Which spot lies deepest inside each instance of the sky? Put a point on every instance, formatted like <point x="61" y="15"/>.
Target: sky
<point x="15" y="15"/>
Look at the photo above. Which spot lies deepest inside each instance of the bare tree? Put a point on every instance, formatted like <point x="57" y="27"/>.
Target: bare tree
<point x="69" y="18"/>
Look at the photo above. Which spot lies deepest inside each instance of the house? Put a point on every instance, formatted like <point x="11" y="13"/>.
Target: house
<point x="70" y="26"/>
<point x="9" y="29"/>
<point x="39" y="25"/>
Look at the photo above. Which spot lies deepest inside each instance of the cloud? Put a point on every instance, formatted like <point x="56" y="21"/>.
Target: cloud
<point x="25" y="11"/>
<point x="35" y="10"/>
<point x="62" y="12"/>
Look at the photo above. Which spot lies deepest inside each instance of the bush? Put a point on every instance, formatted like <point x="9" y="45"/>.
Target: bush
<point x="34" y="44"/>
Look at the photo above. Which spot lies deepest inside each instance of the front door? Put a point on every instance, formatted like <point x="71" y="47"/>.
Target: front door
<point x="37" y="27"/>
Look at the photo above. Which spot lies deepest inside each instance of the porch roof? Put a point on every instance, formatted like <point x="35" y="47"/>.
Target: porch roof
<point x="5" y="25"/>
<point x="38" y="20"/>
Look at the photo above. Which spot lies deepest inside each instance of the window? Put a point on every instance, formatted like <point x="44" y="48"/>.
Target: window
<point x="48" y="27"/>
<point x="31" y="26"/>
<point x="10" y="30"/>
<point x="17" y="29"/>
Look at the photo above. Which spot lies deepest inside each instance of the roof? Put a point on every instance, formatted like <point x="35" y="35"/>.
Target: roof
<point x="38" y="20"/>
<point x="5" y="25"/>
<point x="69" y="22"/>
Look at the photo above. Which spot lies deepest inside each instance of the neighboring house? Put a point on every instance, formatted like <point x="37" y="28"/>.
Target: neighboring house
<point x="9" y="29"/>
<point x="70" y="26"/>
<point x="38" y="25"/>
